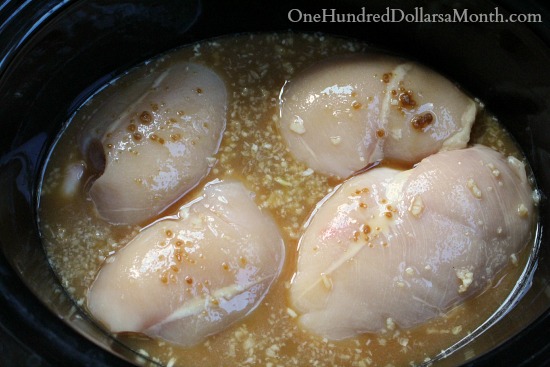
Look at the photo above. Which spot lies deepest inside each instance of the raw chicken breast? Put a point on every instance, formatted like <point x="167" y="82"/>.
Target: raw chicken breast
<point x="183" y="280"/>
<point x="409" y="245"/>
<point x="345" y="113"/>
<point x="156" y="138"/>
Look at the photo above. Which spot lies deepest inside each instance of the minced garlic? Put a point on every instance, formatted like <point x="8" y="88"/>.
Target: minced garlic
<point x="466" y="277"/>
<point x="471" y="184"/>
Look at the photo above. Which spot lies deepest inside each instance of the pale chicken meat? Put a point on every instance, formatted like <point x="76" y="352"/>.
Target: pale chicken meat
<point x="185" y="279"/>
<point x="345" y="113"/>
<point x="410" y="245"/>
<point x="154" y="140"/>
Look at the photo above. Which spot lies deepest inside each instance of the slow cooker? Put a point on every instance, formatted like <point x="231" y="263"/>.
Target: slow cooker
<point x="54" y="54"/>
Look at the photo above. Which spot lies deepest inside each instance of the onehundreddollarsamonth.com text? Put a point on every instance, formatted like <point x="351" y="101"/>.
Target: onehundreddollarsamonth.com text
<point x="394" y="15"/>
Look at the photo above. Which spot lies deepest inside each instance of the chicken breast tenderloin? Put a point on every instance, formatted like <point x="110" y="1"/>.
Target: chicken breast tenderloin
<point x="409" y="245"/>
<point x="185" y="279"/>
<point x="154" y="141"/>
<point x="345" y="113"/>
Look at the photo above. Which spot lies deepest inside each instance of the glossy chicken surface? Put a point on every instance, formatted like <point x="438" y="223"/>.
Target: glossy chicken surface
<point x="344" y="113"/>
<point x="409" y="245"/>
<point x="154" y="141"/>
<point x="187" y="278"/>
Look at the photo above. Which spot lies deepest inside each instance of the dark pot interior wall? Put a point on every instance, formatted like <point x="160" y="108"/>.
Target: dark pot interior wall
<point x="47" y="72"/>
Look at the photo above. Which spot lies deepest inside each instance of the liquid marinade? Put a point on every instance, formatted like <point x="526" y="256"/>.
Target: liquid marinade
<point x="77" y="242"/>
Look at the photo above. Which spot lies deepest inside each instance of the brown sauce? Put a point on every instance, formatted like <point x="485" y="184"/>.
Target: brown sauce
<point x="78" y="242"/>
